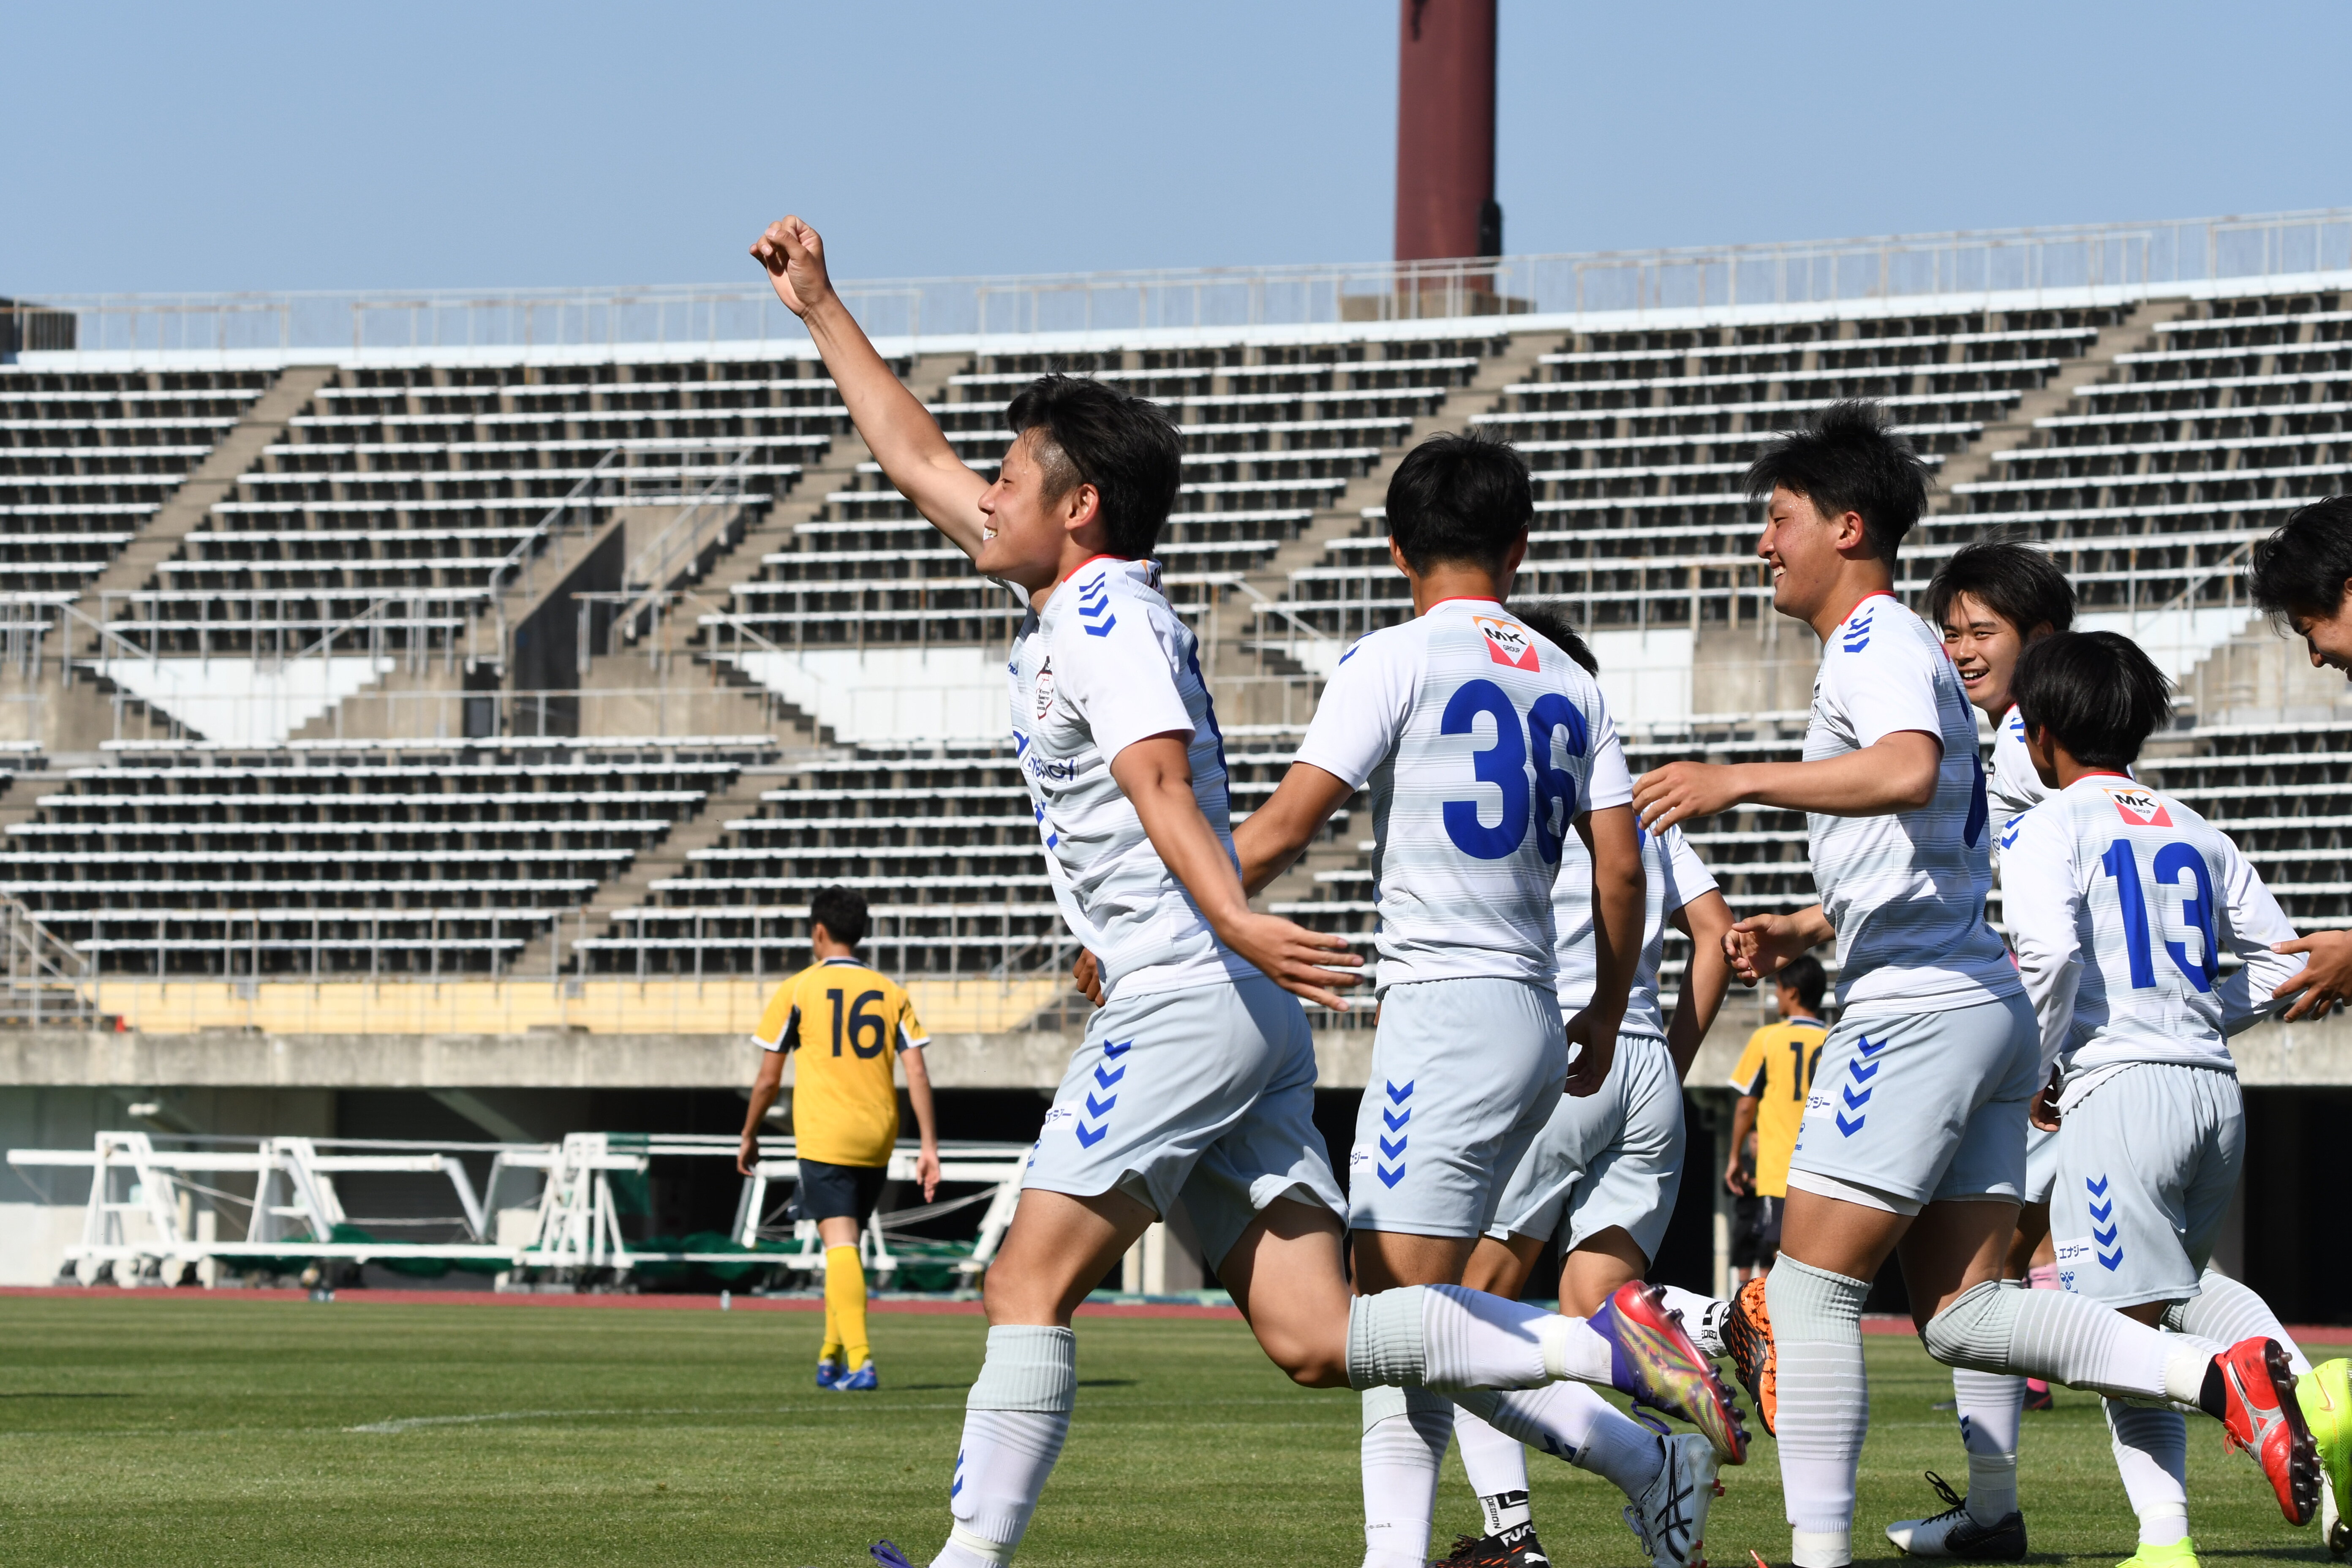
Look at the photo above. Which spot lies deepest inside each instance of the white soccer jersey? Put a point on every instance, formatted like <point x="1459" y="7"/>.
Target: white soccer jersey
<point x="2121" y="901"/>
<point x="1675" y="875"/>
<point x="1482" y="742"/>
<point x="1905" y="890"/>
<point x="1108" y="663"/>
<point x="2014" y="788"/>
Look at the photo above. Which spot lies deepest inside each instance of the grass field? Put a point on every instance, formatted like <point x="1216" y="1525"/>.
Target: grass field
<point x="188" y="1430"/>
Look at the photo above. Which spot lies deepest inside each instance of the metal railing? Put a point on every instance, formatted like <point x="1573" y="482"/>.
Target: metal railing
<point x="48" y="985"/>
<point x="2130" y="256"/>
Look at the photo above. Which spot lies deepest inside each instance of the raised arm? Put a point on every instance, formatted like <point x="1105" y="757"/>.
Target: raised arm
<point x="905" y="439"/>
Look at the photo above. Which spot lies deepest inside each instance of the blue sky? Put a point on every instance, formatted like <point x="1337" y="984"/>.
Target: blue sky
<point x="269" y="146"/>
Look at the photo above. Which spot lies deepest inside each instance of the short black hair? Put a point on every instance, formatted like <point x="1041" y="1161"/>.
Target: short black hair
<point x="1126" y="447"/>
<point x="1848" y="457"/>
<point x="842" y="913"/>
<point x="2017" y="582"/>
<point x="1805" y="976"/>
<point x="2301" y="570"/>
<point x="1553" y="625"/>
<point x="1460" y="498"/>
<point x="2097" y="693"/>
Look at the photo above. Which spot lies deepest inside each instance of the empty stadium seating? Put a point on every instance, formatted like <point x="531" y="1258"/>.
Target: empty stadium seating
<point x="2151" y="486"/>
<point x="442" y="857"/>
<point x="1638" y="439"/>
<point x="87" y="457"/>
<point x="1272" y="433"/>
<point x="415" y="493"/>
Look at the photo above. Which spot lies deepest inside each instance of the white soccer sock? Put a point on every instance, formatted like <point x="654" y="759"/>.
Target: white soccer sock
<point x="2152" y="1452"/>
<point x="1702" y="1317"/>
<point x="1824" y="1404"/>
<point x="1497" y="1467"/>
<point x="2058" y="1335"/>
<point x="1991" y="1405"/>
<point x="1015" y="1420"/>
<point x="1572" y="1422"/>
<point x="2225" y="1311"/>
<point x="1443" y="1336"/>
<point x="1405" y="1434"/>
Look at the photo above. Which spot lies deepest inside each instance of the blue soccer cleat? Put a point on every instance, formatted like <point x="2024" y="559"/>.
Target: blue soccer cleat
<point x="828" y="1372"/>
<point x="889" y="1555"/>
<point x="1653" y="1361"/>
<point x="864" y="1380"/>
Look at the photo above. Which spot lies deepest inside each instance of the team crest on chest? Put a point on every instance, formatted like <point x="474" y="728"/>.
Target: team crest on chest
<point x="1045" y="686"/>
<point x="1507" y="643"/>
<point x="2140" y="808"/>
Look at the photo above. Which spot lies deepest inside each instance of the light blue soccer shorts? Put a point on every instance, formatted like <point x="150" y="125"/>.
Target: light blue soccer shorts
<point x="2147" y="1161"/>
<point x="1614" y="1158"/>
<point x="1464" y="1074"/>
<point x="1909" y="1109"/>
<point x="2041" y="1162"/>
<point x="1205" y="1094"/>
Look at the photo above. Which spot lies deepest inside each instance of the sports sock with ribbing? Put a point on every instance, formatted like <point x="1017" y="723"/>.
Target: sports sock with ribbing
<point x="845" y="1305"/>
<point x="1991" y="1405"/>
<point x="1405" y="1434"/>
<point x="1015" y="1420"/>
<point x="1447" y="1337"/>
<point x="1823" y="1404"/>
<point x="2225" y="1311"/>
<point x="2152" y="1454"/>
<point x="1572" y="1422"/>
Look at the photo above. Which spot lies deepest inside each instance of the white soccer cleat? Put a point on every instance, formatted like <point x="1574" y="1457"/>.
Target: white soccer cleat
<point x="1670" y="1516"/>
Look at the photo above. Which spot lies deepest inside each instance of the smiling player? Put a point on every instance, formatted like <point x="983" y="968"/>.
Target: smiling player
<point x="1197" y="1076"/>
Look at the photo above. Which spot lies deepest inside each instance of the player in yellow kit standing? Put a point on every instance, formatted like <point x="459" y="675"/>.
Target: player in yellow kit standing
<point x="849" y="1025"/>
<point x="1774" y="1074"/>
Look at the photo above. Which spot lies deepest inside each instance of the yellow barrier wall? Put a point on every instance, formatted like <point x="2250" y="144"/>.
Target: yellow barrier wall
<point x="714" y="1006"/>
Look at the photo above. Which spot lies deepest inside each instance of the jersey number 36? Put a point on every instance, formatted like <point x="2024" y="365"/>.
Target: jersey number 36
<point x="1503" y="764"/>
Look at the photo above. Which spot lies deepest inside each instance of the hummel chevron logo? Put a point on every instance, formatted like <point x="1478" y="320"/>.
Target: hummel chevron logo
<point x="1848" y="1129"/>
<point x="1393" y="1150"/>
<point x="1104" y="1076"/>
<point x="1100" y="1109"/>
<point x="1399" y="1096"/>
<point x="1856" y="1102"/>
<point x="1103" y="630"/>
<point x="1867" y="1049"/>
<point x="2105" y="1237"/>
<point x="2100" y="1213"/>
<point x="1088" y="1137"/>
<point x="1863" y="1074"/>
<point x="1118" y="1050"/>
<point x="2098" y="1189"/>
<point x="2112" y="1264"/>
<point x="1394" y="1119"/>
<point x="1388" y="1178"/>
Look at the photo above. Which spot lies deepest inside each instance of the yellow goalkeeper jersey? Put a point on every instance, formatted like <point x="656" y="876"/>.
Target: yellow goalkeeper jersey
<point x="849" y="1023"/>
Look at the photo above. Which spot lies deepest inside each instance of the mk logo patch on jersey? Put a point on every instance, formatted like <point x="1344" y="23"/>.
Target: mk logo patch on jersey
<point x="1507" y="643"/>
<point x="1045" y="686"/>
<point x="2140" y="808"/>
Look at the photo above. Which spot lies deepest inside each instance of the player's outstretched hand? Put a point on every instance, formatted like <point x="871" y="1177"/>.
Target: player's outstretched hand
<point x="749" y="1155"/>
<point x="1763" y="945"/>
<point x="1303" y="962"/>
<point x="1086" y="975"/>
<point x="1681" y="791"/>
<point x="2326" y="977"/>
<point x="1591" y="1068"/>
<point x="794" y="255"/>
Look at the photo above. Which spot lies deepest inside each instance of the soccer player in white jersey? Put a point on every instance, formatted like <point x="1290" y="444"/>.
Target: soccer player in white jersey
<point x="1601" y="1178"/>
<point x="2302" y="577"/>
<point x="1990" y="600"/>
<point x="1486" y="750"/>
<point x="1197" y="1076"/>
<point x="1914" y="1136"/>
<point x="2121" y="903"/>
